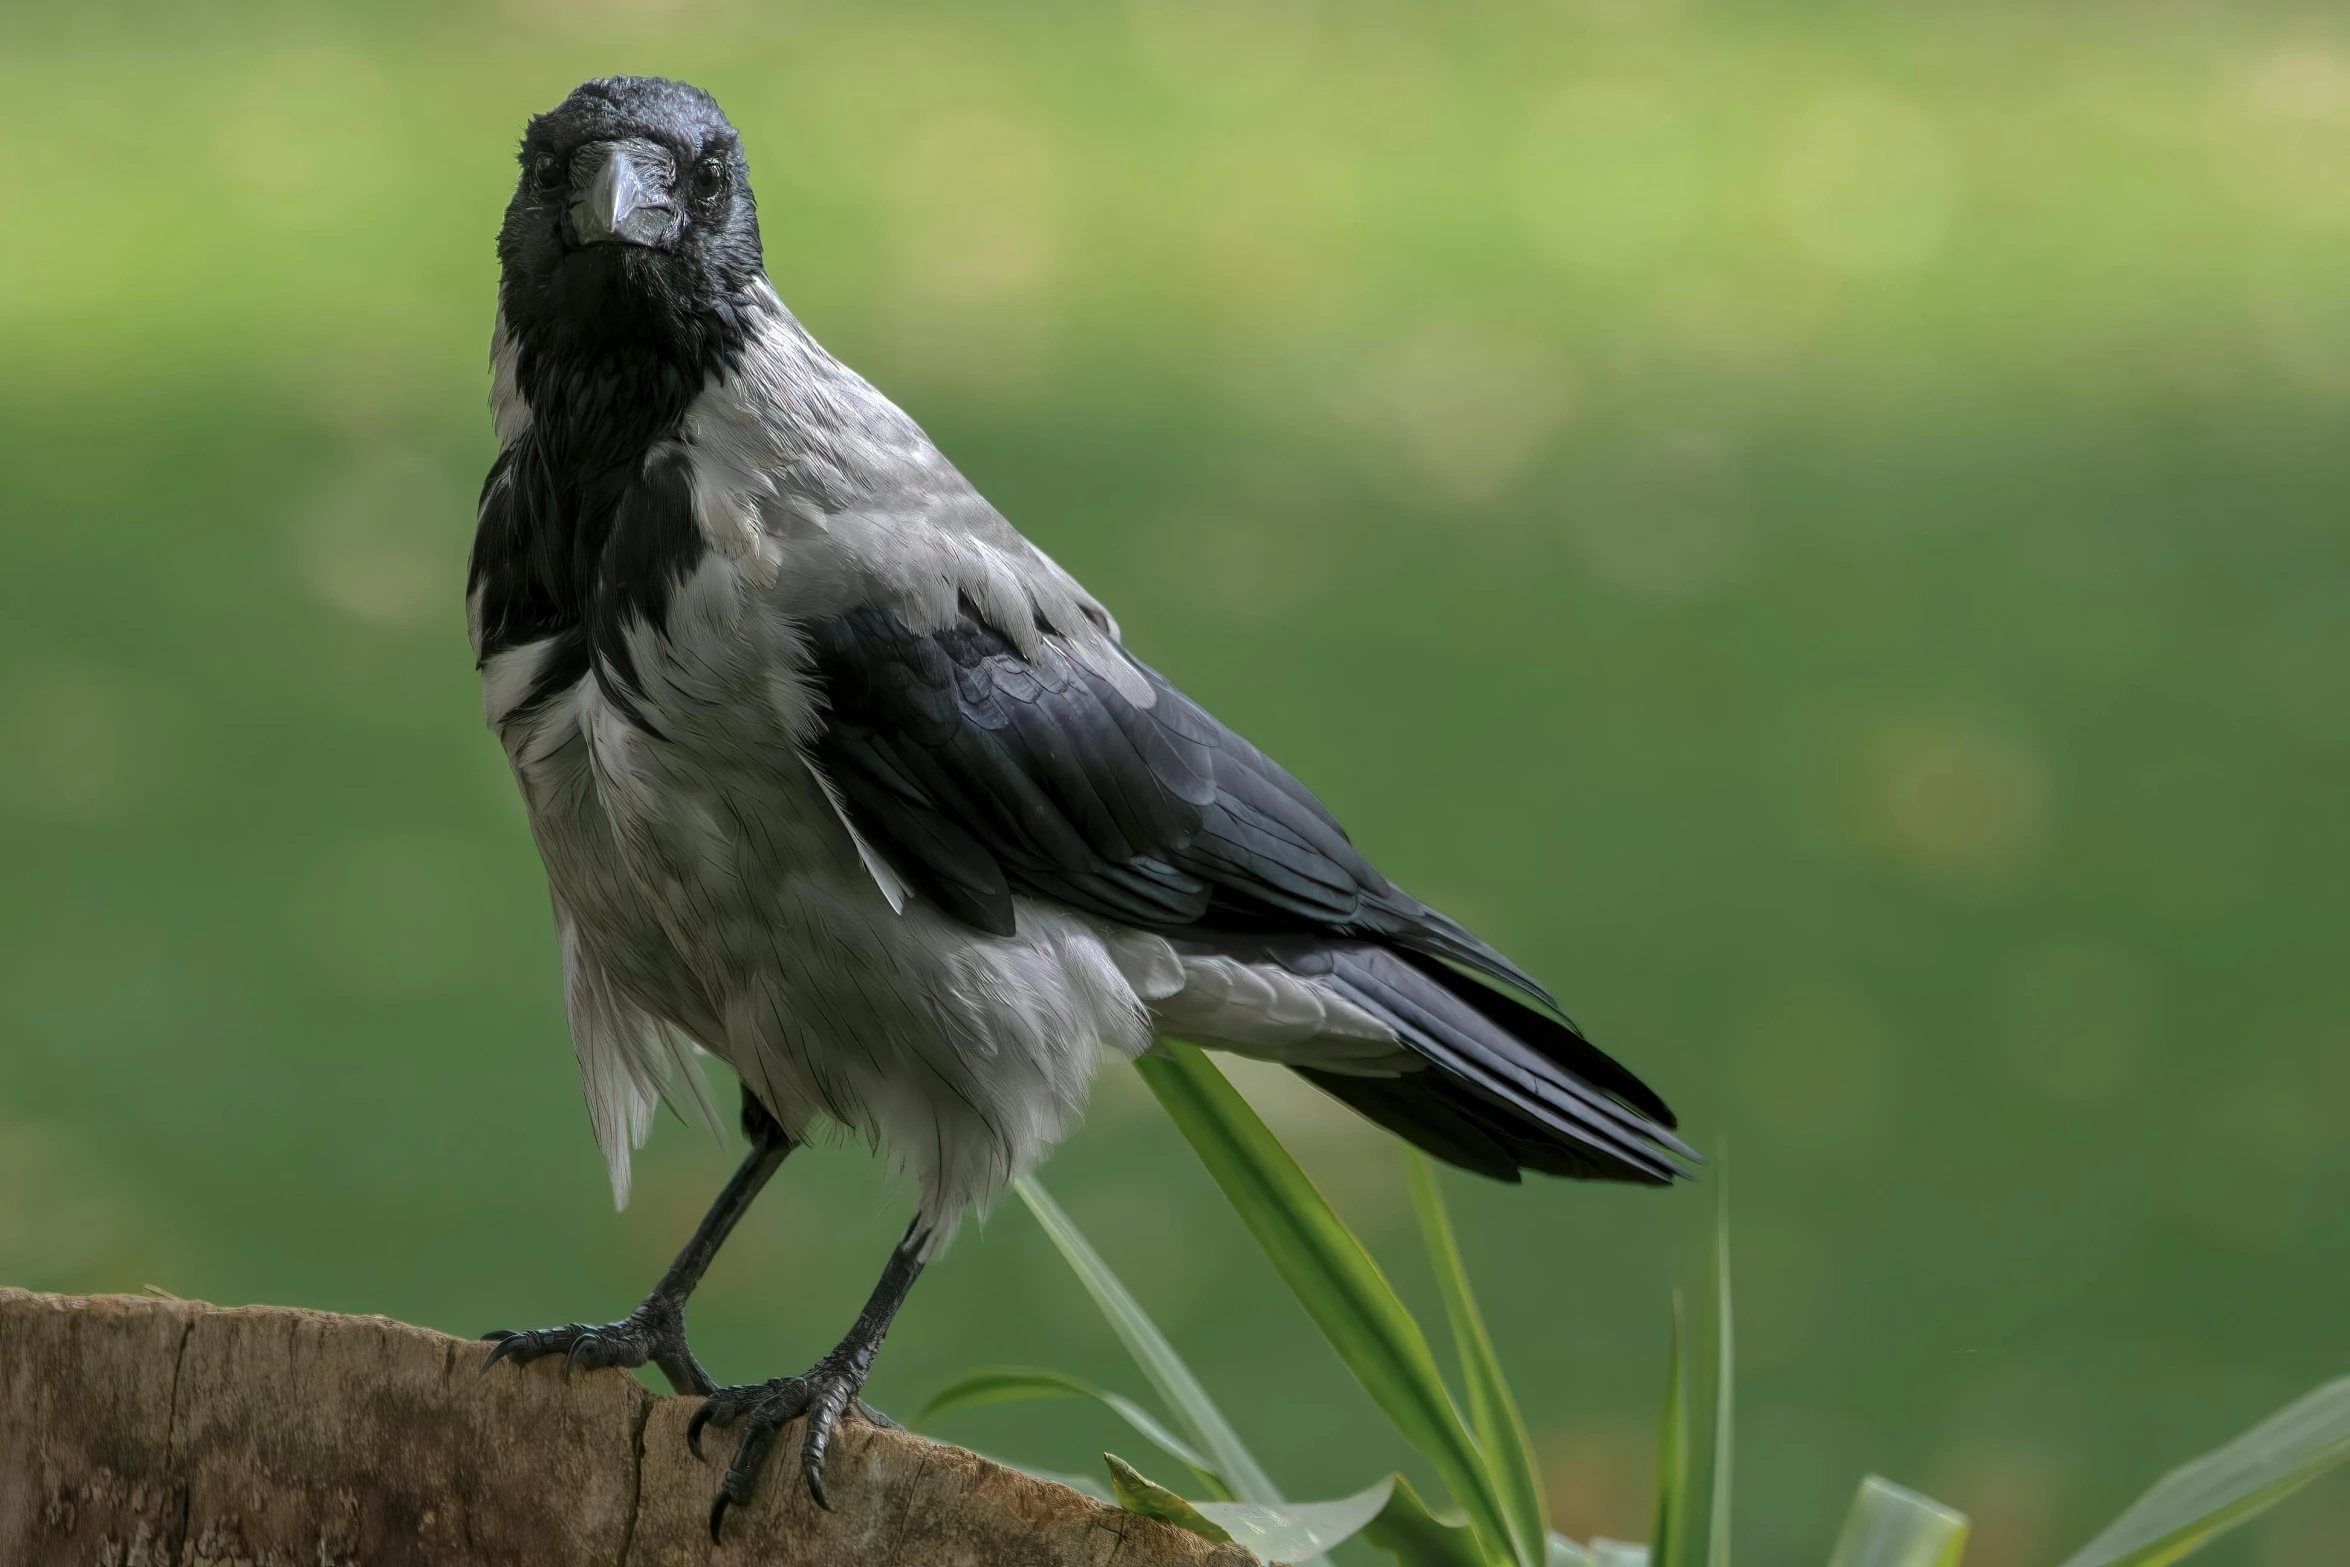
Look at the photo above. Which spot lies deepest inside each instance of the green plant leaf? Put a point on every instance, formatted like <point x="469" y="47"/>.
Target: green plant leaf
<point x="1672" y="1452"/>
<point x="1332" y="1276"/>
<point x="1020" y="1384"/>
<point x="1298" y="1531"/>
<point x="1892" y="1526"/>
<point x="2198" y="1501"/>
<point x="1719" y="1439"/>
<point x="1493" y="1412"/>
<point x="1234" y="1466"/>
<point x="1406" y="1530"/>
<point x="1138" y="1493"/>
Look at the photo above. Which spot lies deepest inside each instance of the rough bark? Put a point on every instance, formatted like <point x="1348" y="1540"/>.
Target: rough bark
<point x="168" y="1433"/>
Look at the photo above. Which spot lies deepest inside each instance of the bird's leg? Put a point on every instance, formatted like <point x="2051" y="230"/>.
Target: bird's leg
<point x="827" y="1391"/>
<point x="655" y="1331"/>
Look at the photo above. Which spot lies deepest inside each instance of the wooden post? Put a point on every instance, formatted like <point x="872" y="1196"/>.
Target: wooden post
<point x="169" y="1433"/>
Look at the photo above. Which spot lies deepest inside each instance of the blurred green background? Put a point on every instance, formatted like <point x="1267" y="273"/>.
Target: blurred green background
<point x="1819" y="528"/>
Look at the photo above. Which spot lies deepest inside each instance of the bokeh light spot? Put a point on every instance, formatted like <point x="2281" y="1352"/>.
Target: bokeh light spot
<point x="2284" y="134"/>
<point x="1866" y="182"/>
<point x="1595" y="1478"/>
<point x="2008" y="1487"/>
<point x="1963" y="802"/>
<point x="1611" y="176"/>
<point x="1466" y="410"/>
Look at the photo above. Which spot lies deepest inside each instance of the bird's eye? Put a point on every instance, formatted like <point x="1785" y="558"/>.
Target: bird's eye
<point x="710" y="178"/>
<point x="546" y="171"/>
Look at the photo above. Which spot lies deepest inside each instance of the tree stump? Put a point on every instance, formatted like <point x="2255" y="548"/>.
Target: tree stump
<point x="169" y="1433"/>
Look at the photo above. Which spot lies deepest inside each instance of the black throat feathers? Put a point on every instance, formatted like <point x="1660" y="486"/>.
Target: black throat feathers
<point x="585" y="529"/>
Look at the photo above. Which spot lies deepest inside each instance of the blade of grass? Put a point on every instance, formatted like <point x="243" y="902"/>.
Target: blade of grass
<point x="1892" y="1526"/>
<point x="2198" y="1501"/>
<point x="1213" y="1434"/>
<point x="1720" y="1438"/>
<point x="1666" y="1547"/>
<point x="1406" y="1530"/>
<point x="1493" y="1412"/>
<point x="1020" y="1384"/>
<point x="1332" y="1276"/>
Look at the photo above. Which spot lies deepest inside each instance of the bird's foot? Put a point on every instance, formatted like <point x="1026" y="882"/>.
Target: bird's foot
<point x="654" y="1332"/>
<point x="826" y="1393"/>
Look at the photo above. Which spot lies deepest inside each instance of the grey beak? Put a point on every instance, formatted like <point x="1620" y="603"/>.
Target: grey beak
<point x="626" y="201"/>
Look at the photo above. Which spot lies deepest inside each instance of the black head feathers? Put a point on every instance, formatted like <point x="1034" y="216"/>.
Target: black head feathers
<point x="631" y="247"/>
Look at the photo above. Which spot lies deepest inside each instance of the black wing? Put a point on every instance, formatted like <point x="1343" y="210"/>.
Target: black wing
<point x="982" y="774"/>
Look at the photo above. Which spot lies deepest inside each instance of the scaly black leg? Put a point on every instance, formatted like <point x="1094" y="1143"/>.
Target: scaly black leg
<point x="828" y="1390"/>
<point x="655" y="1331"/>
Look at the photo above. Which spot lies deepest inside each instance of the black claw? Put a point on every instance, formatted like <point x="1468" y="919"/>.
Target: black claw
<point x="717" y="1516"/>
<point x="693" y="1439"/>
<point x="816" y="1443"/>
<point x="504" y="1342"/>
<point x="750" y="1456"/>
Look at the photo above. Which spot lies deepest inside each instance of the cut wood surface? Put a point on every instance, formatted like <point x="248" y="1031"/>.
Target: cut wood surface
<point x="140" y="1432"/>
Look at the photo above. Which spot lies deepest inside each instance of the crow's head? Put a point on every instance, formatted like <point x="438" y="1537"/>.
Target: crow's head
<point x="633" y="229"/>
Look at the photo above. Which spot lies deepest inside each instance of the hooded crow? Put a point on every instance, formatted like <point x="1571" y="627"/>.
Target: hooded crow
<point x="840" y="779"/>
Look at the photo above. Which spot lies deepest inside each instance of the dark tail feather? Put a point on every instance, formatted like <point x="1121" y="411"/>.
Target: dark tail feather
<point x="1504" y="1088"/>
<point x="1561" y="1042"/>
<point x="1450" y="1120"/>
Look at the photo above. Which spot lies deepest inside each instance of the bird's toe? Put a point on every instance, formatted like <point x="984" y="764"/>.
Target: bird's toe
<point x="653" y="1333"/>
<point x="529" y="1344"/>
<point x="763" y="1409"/>
<point x="600" y="1347"/>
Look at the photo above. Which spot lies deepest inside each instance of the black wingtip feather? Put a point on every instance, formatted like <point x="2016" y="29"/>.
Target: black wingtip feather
<point x="1493" y="1093"/>
<point x="1454" y="1121"/>
<point x="1431" y="933"/>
